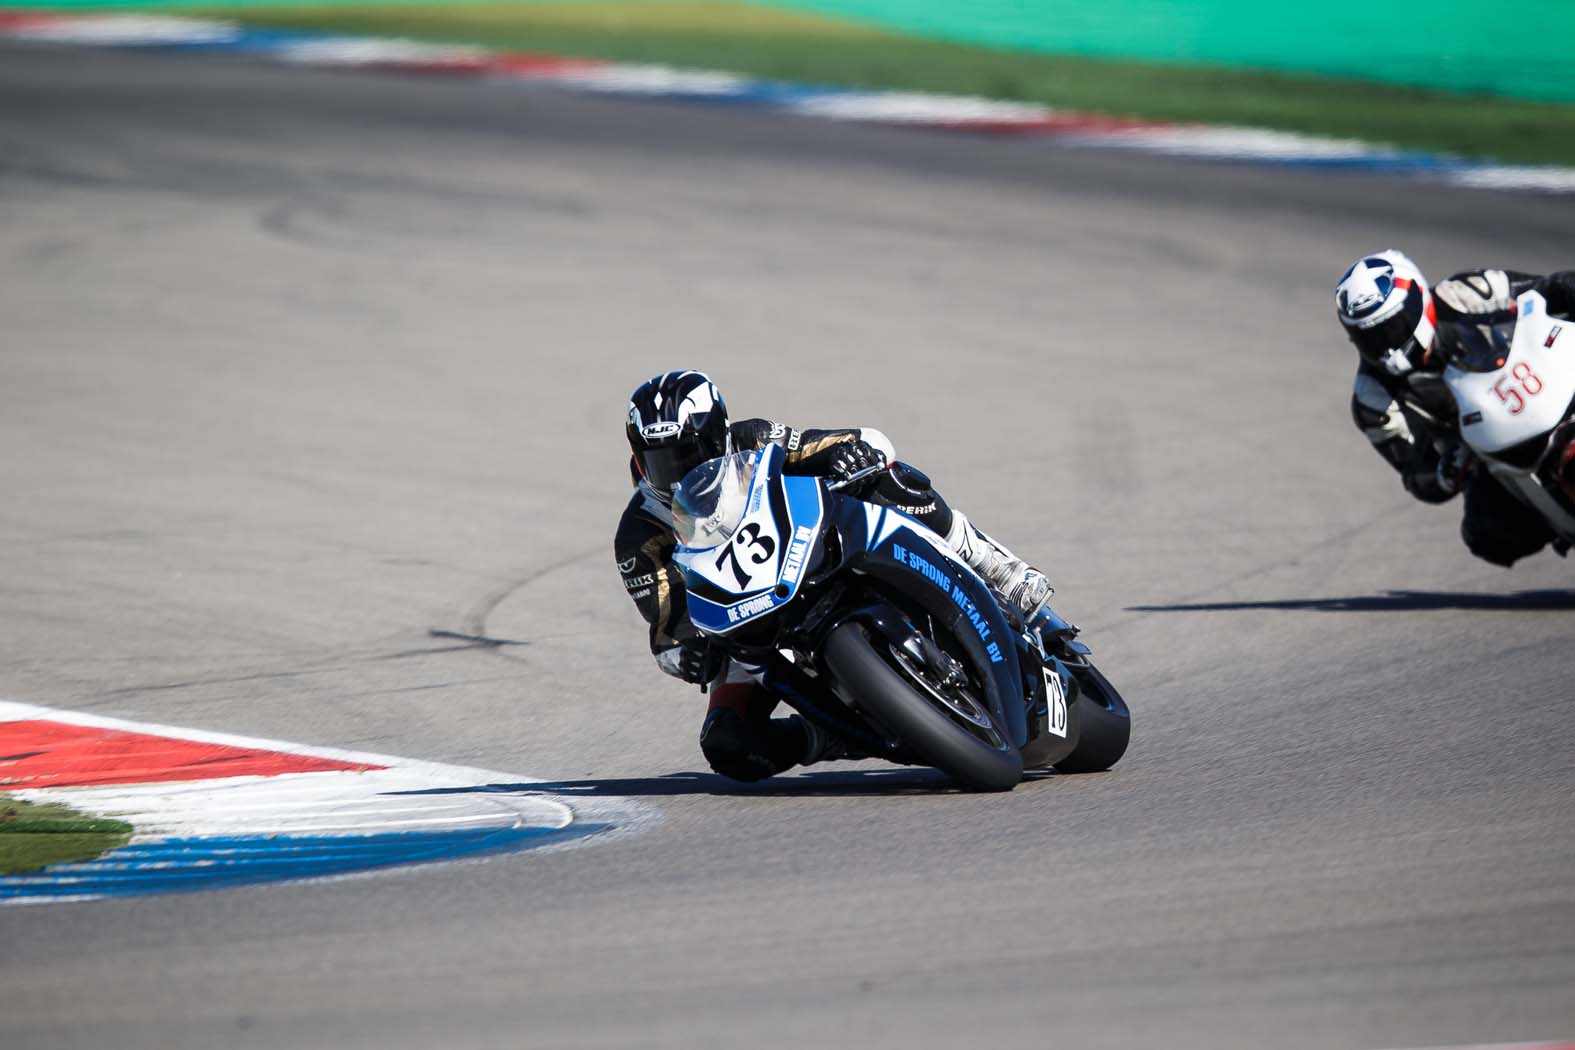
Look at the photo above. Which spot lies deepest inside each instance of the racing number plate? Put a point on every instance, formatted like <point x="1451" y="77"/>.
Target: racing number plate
<point x="1055" y="696"/>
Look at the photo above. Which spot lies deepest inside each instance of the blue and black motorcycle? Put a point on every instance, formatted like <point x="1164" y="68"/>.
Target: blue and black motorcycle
<point x="863" y="620"/>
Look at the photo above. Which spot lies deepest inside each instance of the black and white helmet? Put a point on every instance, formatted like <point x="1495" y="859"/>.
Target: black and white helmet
<point x="1387" y="310"/>
<point x="676" y="422"/>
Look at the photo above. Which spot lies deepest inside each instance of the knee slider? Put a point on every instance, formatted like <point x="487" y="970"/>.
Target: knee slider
<point x="732" y="749"/>
<point x="1496" y="548"/>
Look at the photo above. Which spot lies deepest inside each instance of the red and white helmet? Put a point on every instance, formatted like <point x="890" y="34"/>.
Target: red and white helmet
<point x="1387" y="310"/>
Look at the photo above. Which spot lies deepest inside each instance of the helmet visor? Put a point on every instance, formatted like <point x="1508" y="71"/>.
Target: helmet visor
<point x="665" y="465"/>
<point x="1378" y="342"/>
<point x="1396" y="333"/>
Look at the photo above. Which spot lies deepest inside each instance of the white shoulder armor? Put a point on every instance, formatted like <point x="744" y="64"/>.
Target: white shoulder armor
<point x="1371" y="395"/>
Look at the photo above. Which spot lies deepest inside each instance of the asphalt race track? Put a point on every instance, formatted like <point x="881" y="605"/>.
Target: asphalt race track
<point x="299" y="366"/>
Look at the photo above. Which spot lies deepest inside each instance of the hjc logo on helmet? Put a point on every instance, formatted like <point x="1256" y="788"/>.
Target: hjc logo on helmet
<point x="661" y="431"/>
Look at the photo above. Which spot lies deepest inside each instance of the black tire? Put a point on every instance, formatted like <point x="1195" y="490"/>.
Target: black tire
<point x="1106" y="724"/>
<point x="922" y="727"/>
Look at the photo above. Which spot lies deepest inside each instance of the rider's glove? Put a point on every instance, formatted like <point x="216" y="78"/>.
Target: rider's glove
<point x="850" y="457"/>
<point x="1452" y="467"/>
<point x="694" y="660"/>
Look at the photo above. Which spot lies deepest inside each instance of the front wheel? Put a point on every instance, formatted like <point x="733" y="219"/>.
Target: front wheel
<point x="1106" y="723"/>
<point x="930" y="733"/>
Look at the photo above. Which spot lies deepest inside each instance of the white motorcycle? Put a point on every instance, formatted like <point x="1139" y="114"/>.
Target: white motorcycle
<point x="1514" y="385"/>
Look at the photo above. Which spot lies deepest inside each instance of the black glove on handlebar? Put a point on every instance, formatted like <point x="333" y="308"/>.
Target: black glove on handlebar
<point x="699" y="662"/>
<point x="850" y="457"/>
<point x="1452" y="469"/>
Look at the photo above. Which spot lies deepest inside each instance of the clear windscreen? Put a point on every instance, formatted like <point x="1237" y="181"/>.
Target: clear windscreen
<point x="1479" y="347"/>
<point x="709" y="503"/>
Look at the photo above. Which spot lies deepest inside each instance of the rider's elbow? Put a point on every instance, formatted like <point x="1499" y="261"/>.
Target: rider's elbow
<point x="880" y="442"/>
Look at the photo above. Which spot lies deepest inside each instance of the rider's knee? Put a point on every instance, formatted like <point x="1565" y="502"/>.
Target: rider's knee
<point x="910" y="491"/>
<point x="734" y="747"/>
<point x="752" y="748"/>
<point x="1499" y="546"/>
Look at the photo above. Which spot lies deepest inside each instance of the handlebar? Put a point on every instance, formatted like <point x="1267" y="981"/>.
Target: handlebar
<point x="854" y="479"/>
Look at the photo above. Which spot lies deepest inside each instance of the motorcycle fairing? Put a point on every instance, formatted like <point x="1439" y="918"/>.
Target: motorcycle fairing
<point x="1494" y="421"/>
<point x="895" y="548"/>
<point x="761" y="566"/>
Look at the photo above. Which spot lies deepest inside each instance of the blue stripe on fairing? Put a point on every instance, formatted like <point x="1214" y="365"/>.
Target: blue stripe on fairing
<point x="182" y="865"/>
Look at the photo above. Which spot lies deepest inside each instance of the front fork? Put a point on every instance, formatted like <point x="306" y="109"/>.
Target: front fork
<point x="810" y="697"/>
<point x="1049" y="650"/>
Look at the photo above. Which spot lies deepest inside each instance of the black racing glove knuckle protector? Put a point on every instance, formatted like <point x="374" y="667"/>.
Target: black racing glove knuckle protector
<point x="853" y="456"/>
<point x="698" y="662"/>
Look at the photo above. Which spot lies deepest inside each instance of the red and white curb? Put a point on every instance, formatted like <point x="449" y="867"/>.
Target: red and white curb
<point x="912" y="109"/>
<point x="213" y="809"/>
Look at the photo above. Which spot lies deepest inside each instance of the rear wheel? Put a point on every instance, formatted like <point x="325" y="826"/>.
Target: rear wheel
<point x="947" y="729"/>
<point x="1106" y="724"/>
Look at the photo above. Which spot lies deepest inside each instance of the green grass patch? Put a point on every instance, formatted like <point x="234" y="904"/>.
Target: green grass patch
<point x="32" y="836"/>
<point x="717" y="34"/>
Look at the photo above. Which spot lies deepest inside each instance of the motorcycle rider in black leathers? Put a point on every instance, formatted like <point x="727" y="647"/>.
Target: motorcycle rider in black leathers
<point x="676" y="421"/>
<point x="1402" y="331"/>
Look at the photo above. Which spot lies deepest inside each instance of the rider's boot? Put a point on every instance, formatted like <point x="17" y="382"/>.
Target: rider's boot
<point x="1020" y="583"/>
<point x="822" y="745"/>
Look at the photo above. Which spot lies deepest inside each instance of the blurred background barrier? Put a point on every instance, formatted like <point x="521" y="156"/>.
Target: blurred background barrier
<point x="1450" y="78"/>
<point x="1455" y="45"/>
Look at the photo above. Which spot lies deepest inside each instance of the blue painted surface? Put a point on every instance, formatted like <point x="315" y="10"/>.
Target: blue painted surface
<point x="183" y="865"/>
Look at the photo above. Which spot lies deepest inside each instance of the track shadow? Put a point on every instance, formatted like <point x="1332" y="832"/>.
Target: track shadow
<point x="827" y="783"/>
<point x="1392" y="601"/>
